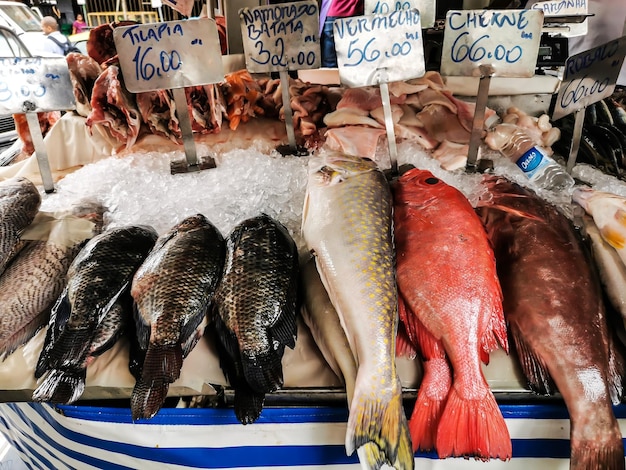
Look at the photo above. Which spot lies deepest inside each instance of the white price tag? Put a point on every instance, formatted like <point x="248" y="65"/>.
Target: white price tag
<point x="508" y="40"/>
<point x="589" y="77"/>
<point x="35" y="84"/>
<point x="173" y="54"/>
<point x="281" y="37"/>
<point x="383" y="7"/>
<point x="379" y="48"/>
<point x="562" y="8"/>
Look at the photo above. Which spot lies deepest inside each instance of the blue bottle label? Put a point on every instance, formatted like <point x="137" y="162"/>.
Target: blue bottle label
<point x="532" y="162"/>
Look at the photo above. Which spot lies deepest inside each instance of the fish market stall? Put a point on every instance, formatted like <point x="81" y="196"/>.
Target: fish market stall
<point x="240" y="271"/>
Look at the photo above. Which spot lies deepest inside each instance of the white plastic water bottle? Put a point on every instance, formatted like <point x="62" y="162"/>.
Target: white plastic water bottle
<point x="515" y="144"/>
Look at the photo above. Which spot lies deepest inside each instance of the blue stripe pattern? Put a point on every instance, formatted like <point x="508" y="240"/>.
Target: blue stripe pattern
<point x="27" y="426"/>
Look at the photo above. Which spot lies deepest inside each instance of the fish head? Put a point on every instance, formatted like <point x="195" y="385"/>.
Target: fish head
<point x="422" y="186"/>
<point x="191" y="223"/>
<point x="334" y="168"/>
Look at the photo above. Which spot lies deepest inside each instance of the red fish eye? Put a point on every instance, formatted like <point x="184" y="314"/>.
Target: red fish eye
<point x="431" y="180"/>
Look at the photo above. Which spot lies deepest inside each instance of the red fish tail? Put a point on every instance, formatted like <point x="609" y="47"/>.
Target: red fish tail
<point x="431" y="399"/>
<point x="594" y="455"/>
<point x="473" y="428"/>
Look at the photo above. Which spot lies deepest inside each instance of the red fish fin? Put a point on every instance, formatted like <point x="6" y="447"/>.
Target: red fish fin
<point x="404" y="346"/>
<point x="495" y="334"/>
<point x="147" y="398"/>
<point x="597" y="455"/>
<point x="473" y="428"/>
<point x="382" y="425"/>
<point x="617" y="370"/>
<point x="431" y="399"/>
<point x="533" y="367"/>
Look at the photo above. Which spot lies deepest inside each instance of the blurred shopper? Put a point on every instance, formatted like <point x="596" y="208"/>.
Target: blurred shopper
<point x="79" y="25"/>
<point x="50" y="29"/>
<point x="336" y="9"/>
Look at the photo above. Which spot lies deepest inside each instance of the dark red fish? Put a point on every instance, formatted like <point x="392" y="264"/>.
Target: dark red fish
<point x="555" y="312"/>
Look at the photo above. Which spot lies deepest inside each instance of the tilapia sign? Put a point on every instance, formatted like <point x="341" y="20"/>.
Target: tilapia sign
<point x="553" y="305"/>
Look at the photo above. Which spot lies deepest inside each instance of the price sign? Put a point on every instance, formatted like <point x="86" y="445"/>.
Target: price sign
<point x="589" y="77"/>
<point x="173" y="54"/>
<point x="562" y="8"/>
<point x="507" y="40"/>
<point x="369" y="45"/>
<point x="35" y="84"/>
<point x="281" y="37"/>
<point x="384" y="7"/>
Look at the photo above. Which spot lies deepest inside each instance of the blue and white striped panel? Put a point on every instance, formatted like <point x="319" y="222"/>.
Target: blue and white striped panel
<point x="78" y="437"/>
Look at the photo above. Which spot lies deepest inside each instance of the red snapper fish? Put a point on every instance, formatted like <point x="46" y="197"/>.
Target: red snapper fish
<point x="451" y="307"/>
<point x="553" y="305"/>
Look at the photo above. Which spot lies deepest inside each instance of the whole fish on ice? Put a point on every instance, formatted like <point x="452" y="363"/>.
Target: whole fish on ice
<point x="255" y="310"/>
<point x="172" y="290"/>
<point x="19" y="203"/>
<point x="96" y="279"/>
<point x="35" y="278"/>
<point x="323" y="321"/>
<point x="452" y="313"/>
<point x="609" y="214"/>
<point x="555" y="312"/>
<point x="347" y="225"/>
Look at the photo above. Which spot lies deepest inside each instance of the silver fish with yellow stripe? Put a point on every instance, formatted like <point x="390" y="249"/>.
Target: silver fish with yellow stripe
<point x="347" y="225"/>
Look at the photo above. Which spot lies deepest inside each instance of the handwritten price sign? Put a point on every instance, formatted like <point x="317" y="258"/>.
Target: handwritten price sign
<point x="173" y="54"/>
<point x="384" y="7"/>
<point x="38" y="84"/>
<point x="508" y="40"/>
<point x="281" y="37"/>
<point x="589" y="77"/>
<point x="369" y="45"/>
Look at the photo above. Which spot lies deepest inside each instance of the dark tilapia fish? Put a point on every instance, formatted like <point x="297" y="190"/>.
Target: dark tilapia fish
<point x="96" y="279"/>
<point x="255" y="314"/>
<point x="553" y="305"/>
<point x="172" y="291"/>
<point x="36" y="277"/>
<point x="19" y="203"/>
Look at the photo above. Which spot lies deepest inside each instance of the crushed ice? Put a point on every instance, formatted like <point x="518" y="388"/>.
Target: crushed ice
<point x="140" y="189"/>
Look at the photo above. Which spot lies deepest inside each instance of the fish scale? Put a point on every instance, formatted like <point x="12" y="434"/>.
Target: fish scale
<point x="255" y="313"/>
<point x="97" y="277"/>
<point x="347" y="226"/>
<point x="172" y="289"/>
<point x="19" y="203"/>
<point x="554" y="308"/>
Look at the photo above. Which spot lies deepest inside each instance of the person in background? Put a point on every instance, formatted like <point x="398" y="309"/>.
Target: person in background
<point x="79" y="25"/>
<point x="336" y="9"/>
<point x="50" y="28"/>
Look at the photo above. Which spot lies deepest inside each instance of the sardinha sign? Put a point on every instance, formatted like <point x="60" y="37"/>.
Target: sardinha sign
<point x="35" y="84"/>
<point x="507" y="40"/>
<point x="562" y="7"/>
<point x="384" y="7"/>
<point x="379" y="48"/>
<point x="173" y="54"/>
<point x="281" y="37"/>
<point x="589" y="76"/>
